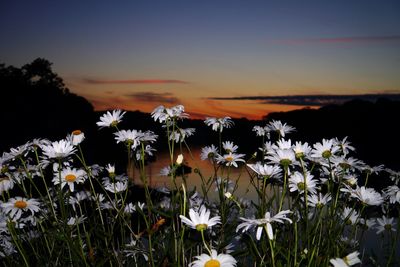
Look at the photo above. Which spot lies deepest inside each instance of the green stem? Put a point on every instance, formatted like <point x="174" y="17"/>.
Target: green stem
<point x="272" y="248"/>
<point x="204" y="242"/>
<point x="284" y="188"/>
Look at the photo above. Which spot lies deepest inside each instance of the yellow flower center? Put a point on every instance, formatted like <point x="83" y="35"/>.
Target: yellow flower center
<point x="388" y="227"/>
<point x="212" y="263"/>
<point x="20" y="204"/>
<point x="344" y="165"/>
<point x="347" y="260"/>
<point x="114" y="123"/>
<point x="326" y="154"/>
<point x="70" y="178"/>
<point x="229" y="158"/>
<point x="4" y="169"/>
<point x="301" y="186"/>
<point x="76" y="132"/>
<point x="285" y="162"/>
<point x="201" y="227"/>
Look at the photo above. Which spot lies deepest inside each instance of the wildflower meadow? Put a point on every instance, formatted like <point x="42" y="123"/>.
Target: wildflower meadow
<point x="312" y="204"/>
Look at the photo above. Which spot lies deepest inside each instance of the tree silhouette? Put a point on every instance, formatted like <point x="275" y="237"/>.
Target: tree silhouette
<point x="370" y="126"/>
<point x="37" y="104"/>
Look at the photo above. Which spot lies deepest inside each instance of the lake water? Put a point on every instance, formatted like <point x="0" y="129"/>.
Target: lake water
<point x="156" y="180"/>
<point x="370" y="243"/>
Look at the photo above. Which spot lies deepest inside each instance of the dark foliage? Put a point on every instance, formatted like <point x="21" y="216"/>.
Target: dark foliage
<point x="373" y="128"/>
<point x="36" y="104"/>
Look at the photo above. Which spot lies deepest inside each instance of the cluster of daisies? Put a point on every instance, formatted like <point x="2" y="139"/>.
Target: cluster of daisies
<point x="312" y="188"/>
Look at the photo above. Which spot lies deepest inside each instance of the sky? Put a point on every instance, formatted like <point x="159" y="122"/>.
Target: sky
<point x="217" y="58"/>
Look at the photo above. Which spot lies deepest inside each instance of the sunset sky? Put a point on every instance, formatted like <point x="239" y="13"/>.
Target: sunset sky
<point x="218" y="58"/>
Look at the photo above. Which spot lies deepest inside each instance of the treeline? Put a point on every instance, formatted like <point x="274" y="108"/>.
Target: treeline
<point x="35" y="103"/>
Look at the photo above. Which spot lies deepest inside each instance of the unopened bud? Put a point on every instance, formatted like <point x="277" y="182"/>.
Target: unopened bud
<point x="228" y="195"/>
<point x="179" y="160"/>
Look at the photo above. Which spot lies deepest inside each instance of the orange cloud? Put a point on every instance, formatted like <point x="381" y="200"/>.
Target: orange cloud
<point x="141" y="81"/>
<point x="310" y="100"/>
<point x="154" y="97"/>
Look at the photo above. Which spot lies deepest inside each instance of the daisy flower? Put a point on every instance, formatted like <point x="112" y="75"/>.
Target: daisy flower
<point x="200" y="220"/>
<point x="209" y="152"/>
<point x="148" y="136"/>
<point x="58" y="149"/>
<point x="214" y="260"/>
<point x="140" y="205"/>
<point x="325" y="150"/>
<point x="118" y="184"/>
<point x="130" y="137"/>
<point x="181" y="134"/>
<point x="301" y="151"/>
<point x="177" y="112"/>
<point x="297" y="182"/>
<point x="17" y="206"/>
<point x="110" y="119"/>
<point x="6" y="183"/>
<point x="78" y="198"/>
<point x="261" y="131"/>
<point x="265" y="170"/>
<point x="3" y="161"/>
<point x="385" y="224"/>
<point x="231" y="159"/>
<point x="116" y="187"/>
<point x="264" y="222"/>
<point x="373" y="170"/>
<point x="166" y="171"/>
<point x="348" y="163"/>
<point x="349" y="260"/>
<point x="3" y="223"/>
<point x="368" y="223"/>
<point x="284" y="157"/>
<point x="133" y="248"/>
<point x="76" y="220"/>
<point x="196" y="201"/>
<point x="229" y="147"/>
<point x="319" y="200"/>
<point x="129" y="208"/>
<point x="226" y="184"/>
<point x="19" y="151"/>
<point x="350" y="180"/>
<point x="283" y="144"/>
<point x="69" y="176"/>
<point x="38" y="142"/>
<point x="367" y="196"/>
<point x="163" y="114"/>
<point x="350" y="216"/>
<point x="159" y="114"/>
<point x="344" y="145"/>
<point x="391" y="192"/>
<point x="218" y="124"/>
<point x="148" y="151"/>
<point x="110" y="169"/>
<point x="7" y="247"/>
<point x="393" y="175"/>
<point x="281" y="129"/>
<point x="76" y="137"/>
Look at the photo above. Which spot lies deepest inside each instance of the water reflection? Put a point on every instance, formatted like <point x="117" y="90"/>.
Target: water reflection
<point x="239" y="175"/>
<point x="370" y="243"/>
